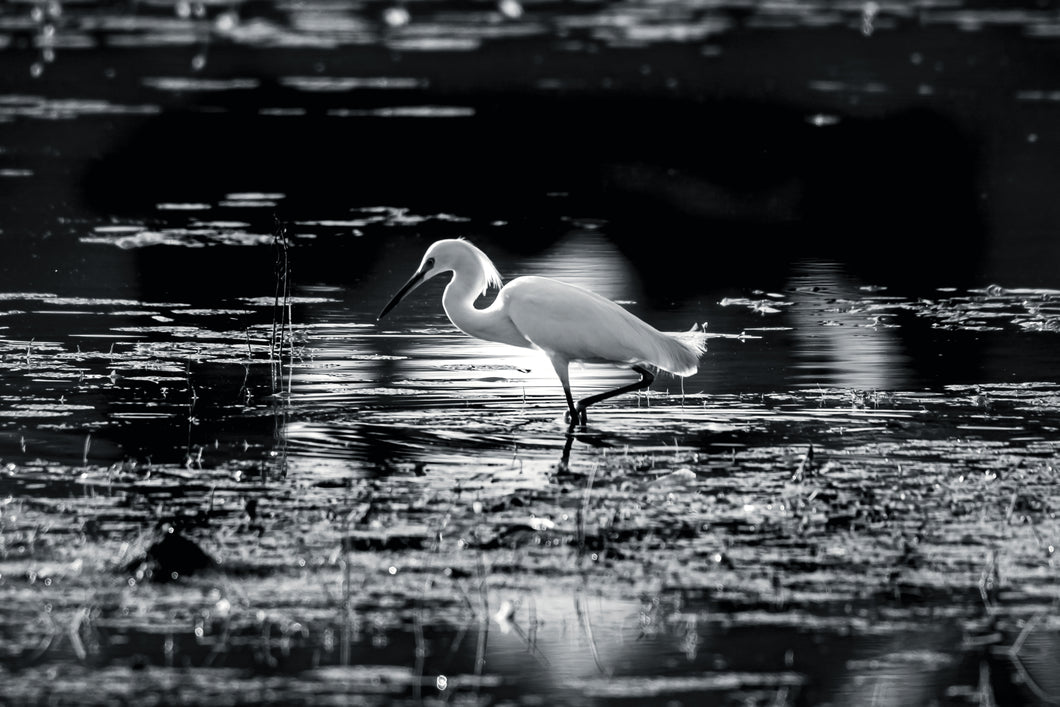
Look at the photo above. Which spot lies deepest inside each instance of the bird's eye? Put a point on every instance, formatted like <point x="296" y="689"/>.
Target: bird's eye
<point x="430" y="263"/>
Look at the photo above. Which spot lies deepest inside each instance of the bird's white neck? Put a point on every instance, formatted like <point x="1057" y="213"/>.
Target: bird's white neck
<point x="490" y="323"/>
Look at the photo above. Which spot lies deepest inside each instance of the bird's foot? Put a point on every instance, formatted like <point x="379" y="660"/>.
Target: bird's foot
<point x="577" y="419"/>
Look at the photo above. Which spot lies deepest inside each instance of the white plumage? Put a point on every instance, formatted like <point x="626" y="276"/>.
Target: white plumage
<point x="568" y="323"/>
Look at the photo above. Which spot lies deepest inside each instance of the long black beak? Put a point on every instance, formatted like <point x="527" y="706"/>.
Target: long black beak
<point x="412" y="284"/>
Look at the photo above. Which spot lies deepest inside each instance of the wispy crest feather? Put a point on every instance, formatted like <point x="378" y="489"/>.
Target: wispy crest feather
<point x="493" y="276"/>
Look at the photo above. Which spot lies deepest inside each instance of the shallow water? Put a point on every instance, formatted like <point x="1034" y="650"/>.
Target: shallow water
<point x="214" y="490"/>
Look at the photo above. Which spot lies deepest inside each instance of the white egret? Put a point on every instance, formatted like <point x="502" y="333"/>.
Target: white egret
<point x="568" y="323"/>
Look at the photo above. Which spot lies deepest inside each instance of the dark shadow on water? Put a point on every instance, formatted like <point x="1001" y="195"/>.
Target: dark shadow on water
<point x="698" y="192"/>
<point x="894" y="198"/>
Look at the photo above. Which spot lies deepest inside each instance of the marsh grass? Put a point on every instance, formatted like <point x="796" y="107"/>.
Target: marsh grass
<point x="281" y="337"/>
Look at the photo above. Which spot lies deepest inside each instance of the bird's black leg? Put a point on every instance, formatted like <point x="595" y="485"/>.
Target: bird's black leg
<point x="561" y="367"/>
<point x="646" y="379"/>
<point x="572" y="411"/>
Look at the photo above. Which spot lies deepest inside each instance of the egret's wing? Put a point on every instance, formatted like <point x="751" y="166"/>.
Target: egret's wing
<point x="580" y="325"/>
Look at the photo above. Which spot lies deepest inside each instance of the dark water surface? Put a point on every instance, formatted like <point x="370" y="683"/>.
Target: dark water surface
<point x="213" y="491"/>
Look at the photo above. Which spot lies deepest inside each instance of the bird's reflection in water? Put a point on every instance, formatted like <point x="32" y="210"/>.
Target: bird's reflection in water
<point x="564" y="460"/>
<point x="597" y="440"/>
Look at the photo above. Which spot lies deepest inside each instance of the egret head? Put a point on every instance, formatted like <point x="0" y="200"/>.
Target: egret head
<point x="449" y="255"/>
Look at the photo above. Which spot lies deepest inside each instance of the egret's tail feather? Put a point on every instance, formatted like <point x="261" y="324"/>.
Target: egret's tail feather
<point x="679" y="356"/>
